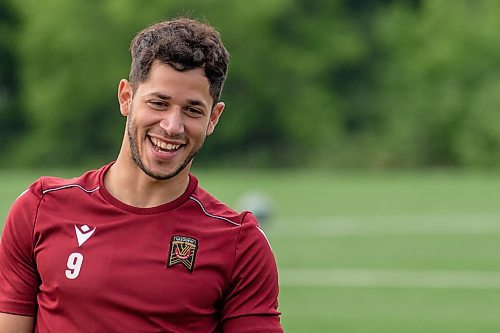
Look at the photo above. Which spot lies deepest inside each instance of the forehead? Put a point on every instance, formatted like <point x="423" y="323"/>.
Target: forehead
<point x="190" y="84"/>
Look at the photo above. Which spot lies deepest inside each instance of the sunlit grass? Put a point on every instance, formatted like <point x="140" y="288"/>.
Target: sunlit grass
<point x="425" y="221"/>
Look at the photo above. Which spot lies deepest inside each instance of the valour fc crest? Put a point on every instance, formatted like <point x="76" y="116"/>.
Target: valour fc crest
<point x="182" y="250"/>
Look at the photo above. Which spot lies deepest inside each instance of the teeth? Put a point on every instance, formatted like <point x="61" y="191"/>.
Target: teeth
<point x="163" y="145"/>
<point x="172" y="147"/>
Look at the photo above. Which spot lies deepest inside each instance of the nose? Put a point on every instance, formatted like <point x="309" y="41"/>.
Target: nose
<point x="172" y="121"/>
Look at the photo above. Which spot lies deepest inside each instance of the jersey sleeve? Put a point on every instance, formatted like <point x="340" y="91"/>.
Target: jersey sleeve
<point x="19" y="279"/>
<point x="252" y="301"/>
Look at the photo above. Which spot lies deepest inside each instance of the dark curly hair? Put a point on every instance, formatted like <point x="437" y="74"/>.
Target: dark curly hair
<point x="183" y="44"/>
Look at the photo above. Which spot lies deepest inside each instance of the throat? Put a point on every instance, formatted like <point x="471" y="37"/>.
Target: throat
<point x="136" y="189"/>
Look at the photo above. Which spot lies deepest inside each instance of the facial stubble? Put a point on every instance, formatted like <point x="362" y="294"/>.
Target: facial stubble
<point x="136" y="157"/>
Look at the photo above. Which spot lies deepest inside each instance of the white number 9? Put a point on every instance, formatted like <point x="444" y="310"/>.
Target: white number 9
<point x="75" y="261"/>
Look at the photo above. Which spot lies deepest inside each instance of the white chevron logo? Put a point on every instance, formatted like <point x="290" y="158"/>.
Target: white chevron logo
<point x="83" y="233"/>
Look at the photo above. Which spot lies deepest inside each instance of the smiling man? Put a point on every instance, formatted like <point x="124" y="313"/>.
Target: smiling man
<point x="138" y="245"/>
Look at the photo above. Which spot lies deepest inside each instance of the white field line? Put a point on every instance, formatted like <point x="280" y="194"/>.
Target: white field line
<point x="367" y="278"/>
<point x="391" y="224"/>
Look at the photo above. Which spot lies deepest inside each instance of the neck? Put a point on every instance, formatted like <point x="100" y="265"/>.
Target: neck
<point x="129" y="184"/>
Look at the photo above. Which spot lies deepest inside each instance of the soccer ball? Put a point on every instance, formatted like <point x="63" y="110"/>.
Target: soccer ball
<point x="258" y="203"/>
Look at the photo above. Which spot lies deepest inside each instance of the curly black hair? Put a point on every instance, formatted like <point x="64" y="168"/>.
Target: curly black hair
<point x="184" y="44"/>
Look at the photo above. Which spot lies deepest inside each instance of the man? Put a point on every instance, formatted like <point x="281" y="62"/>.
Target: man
<point x="138" y="246"/>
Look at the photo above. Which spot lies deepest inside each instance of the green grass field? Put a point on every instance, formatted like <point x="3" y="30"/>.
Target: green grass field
<point x="386" y="252"/>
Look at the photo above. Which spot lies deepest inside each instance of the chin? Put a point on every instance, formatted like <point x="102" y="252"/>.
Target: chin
<point x="162" y="174"/>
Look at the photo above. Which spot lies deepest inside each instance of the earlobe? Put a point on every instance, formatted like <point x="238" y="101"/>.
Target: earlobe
<point x="125" y="96"/>
<point x="215" y="116"/>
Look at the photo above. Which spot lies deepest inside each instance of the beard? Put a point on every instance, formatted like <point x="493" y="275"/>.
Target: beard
<point x="136" y="157"/>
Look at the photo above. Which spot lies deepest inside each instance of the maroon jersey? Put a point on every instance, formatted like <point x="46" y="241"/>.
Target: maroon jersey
<point x="82" y="261"/>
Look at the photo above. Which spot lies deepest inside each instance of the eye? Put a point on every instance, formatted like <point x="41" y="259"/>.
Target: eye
<point x="158" y="104"/>
<point x="194" y="112"/>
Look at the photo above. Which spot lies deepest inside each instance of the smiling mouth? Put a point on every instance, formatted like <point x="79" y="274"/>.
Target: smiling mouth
<point x="162" y="146"/>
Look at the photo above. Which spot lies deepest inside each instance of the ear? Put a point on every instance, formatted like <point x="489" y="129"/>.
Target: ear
<point x="125" y="95"/>
<point x="214" y="117"/>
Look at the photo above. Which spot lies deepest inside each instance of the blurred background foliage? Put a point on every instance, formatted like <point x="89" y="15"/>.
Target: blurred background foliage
<point x="312" y="83"/>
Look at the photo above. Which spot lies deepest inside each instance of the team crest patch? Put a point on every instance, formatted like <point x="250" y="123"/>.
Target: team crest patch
<point x="183" y="250"/>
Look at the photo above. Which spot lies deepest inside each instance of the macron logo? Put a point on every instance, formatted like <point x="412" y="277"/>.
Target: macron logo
<point x="83" y="233"/>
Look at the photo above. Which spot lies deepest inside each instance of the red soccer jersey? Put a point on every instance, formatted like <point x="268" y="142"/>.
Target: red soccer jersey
<point x="82" y="261"/>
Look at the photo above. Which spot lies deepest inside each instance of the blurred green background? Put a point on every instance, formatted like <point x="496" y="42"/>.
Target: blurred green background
<point x="312" y="83"/>
<point x="372" y="126"/>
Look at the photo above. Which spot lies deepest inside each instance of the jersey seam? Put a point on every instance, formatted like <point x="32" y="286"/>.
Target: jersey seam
<point x="35" y="222"/>
<point x="235" y="256"/>
<point x="236" y="250"/>
<point x="63" y="187"/>
<point x="34" y="225"/>
<point x="212" y="215"/>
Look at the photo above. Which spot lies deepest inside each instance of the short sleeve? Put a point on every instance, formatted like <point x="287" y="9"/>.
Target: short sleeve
<point x="18" y="275"/>
<point x="252" y="301"/>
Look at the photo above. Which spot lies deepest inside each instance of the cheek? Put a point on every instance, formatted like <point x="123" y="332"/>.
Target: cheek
<point x="195" y="128"/>
<point x="204" y="131"/>
<point x="132" y="125"/>
<point x="140" y="124"/>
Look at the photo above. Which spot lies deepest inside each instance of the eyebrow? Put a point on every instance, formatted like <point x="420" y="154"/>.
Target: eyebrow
<point x="194" y="102"/>
<point x="160" y="95"/>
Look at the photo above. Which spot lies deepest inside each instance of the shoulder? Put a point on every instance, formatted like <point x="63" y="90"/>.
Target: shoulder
<point x="87" y="183"/>
<point x="249" y="234"/>
<point x="215" y="209"/>
<point x="25" y="209"/>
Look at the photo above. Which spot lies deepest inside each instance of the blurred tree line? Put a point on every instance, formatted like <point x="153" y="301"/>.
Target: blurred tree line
<point x="324" y="83"/>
